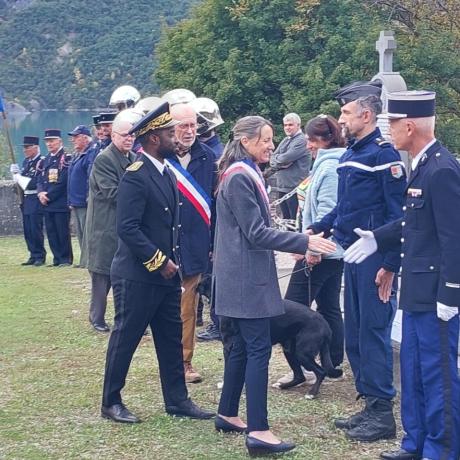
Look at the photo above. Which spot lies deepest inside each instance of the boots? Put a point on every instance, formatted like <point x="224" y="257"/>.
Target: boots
<point x="379" y="424"/>
<point x="347" y="423"/>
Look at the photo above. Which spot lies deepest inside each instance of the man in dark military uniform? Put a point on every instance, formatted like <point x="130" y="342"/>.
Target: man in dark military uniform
<point x="106" y="122"/>
<point x="52" y="193"/>
<point x="145" y="272"/>
<point x="99" y="136"/>
<point x="370" y="194"/>
<point x="428" y="237"/>
<point x="32" y="212"/>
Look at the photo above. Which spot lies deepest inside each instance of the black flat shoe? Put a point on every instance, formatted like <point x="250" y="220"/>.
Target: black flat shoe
<point x="258" y="448"/>
<point x="39" y="263"/>
<point x="226" y="427"/>
<point x="118" y="413"/>
<point x="28" y="262"/>
<point x="400" y="454"/>
<point x="101" y="327"/>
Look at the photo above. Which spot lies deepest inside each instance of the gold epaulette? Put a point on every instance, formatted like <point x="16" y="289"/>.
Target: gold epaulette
<point x="135" y="166"/>
<point x="157" y="260"/>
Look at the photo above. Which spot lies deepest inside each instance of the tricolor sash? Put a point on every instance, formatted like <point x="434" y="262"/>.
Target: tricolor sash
<point x="254" y="172"/>
<point x="192" y="190"/>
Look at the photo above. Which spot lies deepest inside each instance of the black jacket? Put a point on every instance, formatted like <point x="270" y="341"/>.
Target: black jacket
<point x="428" y="235"/>
<point x="147" y="224"/>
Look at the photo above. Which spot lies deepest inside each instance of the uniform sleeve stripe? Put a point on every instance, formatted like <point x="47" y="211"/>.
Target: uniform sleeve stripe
<point x="357" y="165"/>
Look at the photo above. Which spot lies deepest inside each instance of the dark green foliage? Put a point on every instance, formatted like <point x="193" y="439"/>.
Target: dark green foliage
<point x="272" y="57"/>
<point x="74" y="54"/>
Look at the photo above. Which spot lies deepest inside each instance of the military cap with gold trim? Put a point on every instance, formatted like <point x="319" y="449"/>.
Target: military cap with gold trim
<point x="158" y="118"/>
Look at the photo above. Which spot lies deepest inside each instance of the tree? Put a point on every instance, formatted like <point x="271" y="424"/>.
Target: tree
<point x="270" y="57"/>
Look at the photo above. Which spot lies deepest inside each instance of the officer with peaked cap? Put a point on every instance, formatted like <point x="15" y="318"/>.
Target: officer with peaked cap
<point x="32" y="212"/>
<point x="428" y="238"/>
<point x="106" y="122"/>
<point x="52" y="193"/>
<point x="370" y="194"/>
<point x="145" y="272"/>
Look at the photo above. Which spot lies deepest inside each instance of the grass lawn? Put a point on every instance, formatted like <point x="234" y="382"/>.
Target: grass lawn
<point x="51" y="369"/>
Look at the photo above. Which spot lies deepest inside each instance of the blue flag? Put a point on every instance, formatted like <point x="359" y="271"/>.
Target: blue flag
<point x="2" y="108"/>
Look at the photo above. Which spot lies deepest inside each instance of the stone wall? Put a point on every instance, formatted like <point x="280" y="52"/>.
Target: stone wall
<point x="10" y="214"/>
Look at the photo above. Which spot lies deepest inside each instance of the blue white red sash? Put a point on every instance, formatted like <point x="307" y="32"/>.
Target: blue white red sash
<point x="192" y="190"/>
<point x="253" y="171"/>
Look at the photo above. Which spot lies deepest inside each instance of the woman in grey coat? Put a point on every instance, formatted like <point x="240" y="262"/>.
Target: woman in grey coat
<point x="247" y="292"/>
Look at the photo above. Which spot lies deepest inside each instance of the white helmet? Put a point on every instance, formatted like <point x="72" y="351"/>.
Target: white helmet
<point x="124" y="97"/>
<point x="179" y="96"/>
<point x="208" y="114"/>
<point x="132" y="115"/>
<point x="147" y="104"/>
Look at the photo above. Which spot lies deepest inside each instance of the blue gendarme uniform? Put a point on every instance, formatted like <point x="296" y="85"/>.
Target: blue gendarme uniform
<point x="371" y="187"/>
<point x="32" y="211"/>
<point x="53" y="180"/>
<point x="428" y="237"/>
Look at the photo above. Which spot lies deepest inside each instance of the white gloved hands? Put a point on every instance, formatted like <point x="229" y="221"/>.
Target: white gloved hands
<point x="444" y="312"/>
<point x="14" y="169"/>
<point x="361" y="249"/>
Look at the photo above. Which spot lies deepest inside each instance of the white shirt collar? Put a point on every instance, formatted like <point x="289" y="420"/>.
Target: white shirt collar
<point x="416" y="160"/>
<point x="158" y="164"/>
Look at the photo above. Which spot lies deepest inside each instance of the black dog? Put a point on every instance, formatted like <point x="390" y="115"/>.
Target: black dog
<point x="304" y="334"/>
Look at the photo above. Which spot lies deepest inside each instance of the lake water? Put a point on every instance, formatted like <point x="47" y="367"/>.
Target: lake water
<point x="34" y="124"/>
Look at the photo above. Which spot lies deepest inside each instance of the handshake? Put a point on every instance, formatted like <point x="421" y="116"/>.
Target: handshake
<point x="366" y="246"/>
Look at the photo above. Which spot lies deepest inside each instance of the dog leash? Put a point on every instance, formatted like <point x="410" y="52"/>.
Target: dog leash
<point x="307" y="271"/>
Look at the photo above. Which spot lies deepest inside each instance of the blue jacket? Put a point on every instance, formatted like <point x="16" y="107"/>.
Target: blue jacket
<point x="370" y="193"/>
<point x="215" y="144"/>
<point x="78" y="177"/>
<point x="195" y="234"/>
<point x="428" y="234"/>
<point x="30" y="168"/>
<point x="53" y="180"/>
<point x="321" y="194"/>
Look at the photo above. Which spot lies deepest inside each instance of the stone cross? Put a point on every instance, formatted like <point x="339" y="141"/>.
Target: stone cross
<point x="385" y="45"/>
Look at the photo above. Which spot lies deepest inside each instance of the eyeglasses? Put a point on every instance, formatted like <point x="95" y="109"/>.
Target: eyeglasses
<point x="125" y="136"/>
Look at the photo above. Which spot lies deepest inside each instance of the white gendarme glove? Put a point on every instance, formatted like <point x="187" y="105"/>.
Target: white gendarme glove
<point x="444" y="312"/>
<point x="14" y="169"/>
<point x="361" y="249"/>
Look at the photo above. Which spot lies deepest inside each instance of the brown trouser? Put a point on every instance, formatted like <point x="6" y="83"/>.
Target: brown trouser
<point x="188" y="307"/>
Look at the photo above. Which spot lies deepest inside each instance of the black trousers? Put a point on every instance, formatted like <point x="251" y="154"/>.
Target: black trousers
<point x="100" y="287"/>
<point x="325" y="281"/>
<point x="33" y="234"/>
<point x="138" y="305"/>
<point x="58" y="230"/>
<point x="289" y="206"/>
<point x="247" y="351"/>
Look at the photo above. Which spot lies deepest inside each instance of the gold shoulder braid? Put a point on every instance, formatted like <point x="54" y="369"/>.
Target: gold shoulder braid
<point x="155" y="262"/>
<point x="135" y="166"/>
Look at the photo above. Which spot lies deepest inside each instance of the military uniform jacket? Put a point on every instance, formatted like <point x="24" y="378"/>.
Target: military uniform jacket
<point x="428" y="235"/>
<point x="245" y="279"/>
<point x="370" y="194"/>
<point x="31" y="168"/>
<point x="100" y="237"/>
<point x="53" y="180"/>
<point x="147" y="224"/>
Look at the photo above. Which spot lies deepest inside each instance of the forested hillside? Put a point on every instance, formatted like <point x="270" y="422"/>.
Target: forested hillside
<point x="61" y="54"/>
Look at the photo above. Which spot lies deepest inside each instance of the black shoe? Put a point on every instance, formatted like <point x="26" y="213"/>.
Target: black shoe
<point x="400" y="454"/>
<point x="223" y="426"/>
<point x="347" y="423"/>
<point x="39" y="263"/>
<point x="104" y="327"/>
<point x="210" y="333"/>
<point x="189" y="409"/>
<point x="118" y="413"/>
<point x="380" y="423"/>
<point x="258" y="448"/>
<point x="28" y="262"/>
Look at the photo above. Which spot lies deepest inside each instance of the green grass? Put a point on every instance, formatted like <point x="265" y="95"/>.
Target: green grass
<point x="51" y="369"/>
